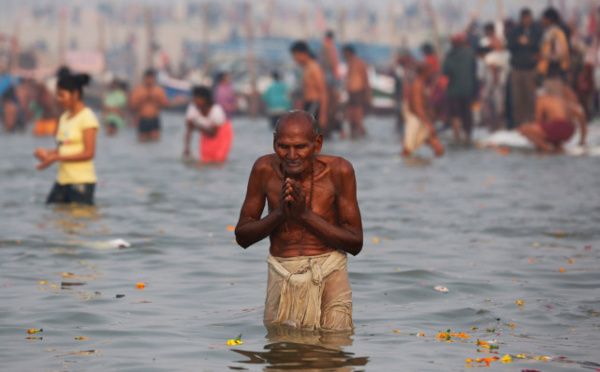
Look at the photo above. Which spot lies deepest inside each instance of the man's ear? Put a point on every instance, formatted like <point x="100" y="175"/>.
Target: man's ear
<point x="318" y="143"/>
<point x="275" y="142"/>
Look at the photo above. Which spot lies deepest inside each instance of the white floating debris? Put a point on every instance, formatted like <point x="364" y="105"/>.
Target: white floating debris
<point x="119" y="243"/>
<point x="439" y="288"/>
<point x="108" y="245"/>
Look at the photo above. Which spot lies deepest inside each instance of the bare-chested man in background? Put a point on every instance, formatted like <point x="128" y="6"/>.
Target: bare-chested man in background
<point x="418" y="128"/>
<point x="146" y="101"/>
<point x="313" y="221"/>
<point x="359" y="91"/>
<point x="314" y="89"/>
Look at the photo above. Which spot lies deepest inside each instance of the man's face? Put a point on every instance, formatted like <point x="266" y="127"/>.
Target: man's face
<point x="545" y="22"/>
<point x="346" y="55"/>
<point x="149" y="80"/>
<point x="200" y="102"/>
<point x="526" y="20"/>
<point x="299" y="57"/>
<point x="296" y="145"/>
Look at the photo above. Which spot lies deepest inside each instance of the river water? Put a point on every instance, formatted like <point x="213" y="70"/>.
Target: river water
<point x="515" y="239"/>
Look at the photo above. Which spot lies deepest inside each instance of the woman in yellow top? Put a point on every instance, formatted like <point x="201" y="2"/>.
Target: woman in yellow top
<point x="76" y="139"/>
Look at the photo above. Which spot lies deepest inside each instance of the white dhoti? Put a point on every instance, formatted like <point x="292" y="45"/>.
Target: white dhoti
<point x="416" y="133"/>
<point x="310" y="292"/>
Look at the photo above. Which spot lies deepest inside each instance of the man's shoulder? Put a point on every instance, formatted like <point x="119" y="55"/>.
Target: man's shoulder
<point x="313" y="66"/>
<point x="265" y="164"/>
<point x="159" y="89"/>
<point x="337" y="165"/>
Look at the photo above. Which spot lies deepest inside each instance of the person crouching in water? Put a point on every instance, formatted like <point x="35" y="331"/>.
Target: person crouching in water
<point x="215" y="128"/>
<point x="556" y="110"/>
<point x="418" y="128"/>
<point x="76" y="139"/>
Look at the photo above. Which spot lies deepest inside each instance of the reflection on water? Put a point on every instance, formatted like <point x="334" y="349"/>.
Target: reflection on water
<point x="74" y="219"/>
<point x="291" y="349"/>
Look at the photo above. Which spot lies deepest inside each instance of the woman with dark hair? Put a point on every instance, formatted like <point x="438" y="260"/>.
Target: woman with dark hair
<point x="76" y="139"/>
<point x="211" y="121"/>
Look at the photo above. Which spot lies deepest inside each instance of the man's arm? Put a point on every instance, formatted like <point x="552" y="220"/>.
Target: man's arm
<point x="576" y="112"/>
<point x="89" y="149"/>
<point x="189" y="128"/>
<point x="365" y="76"/>
<point x="511" y="41"/>
<point x="417" y="96"/>
<point x="322" y="89"/>
<point x="580" y="115"/>
<point x="133" y="100"/>
<point x="162" y="98"/>
<point x="251" y="228"/>
<point x="346" y="236"/>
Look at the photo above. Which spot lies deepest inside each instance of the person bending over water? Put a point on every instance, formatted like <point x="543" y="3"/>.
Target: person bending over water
<point x="418" y="128"/>
<point x="76" y="139"/>
<point x="313" y="221"/>
<point x="211" y="121"/>
<point x="146" y="101"/>
<point x="557" y="108"/>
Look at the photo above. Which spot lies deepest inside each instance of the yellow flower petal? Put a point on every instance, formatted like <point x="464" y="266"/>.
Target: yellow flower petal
<point x="506" y="359"/>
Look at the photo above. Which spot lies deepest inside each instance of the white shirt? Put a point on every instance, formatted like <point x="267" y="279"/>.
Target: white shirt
<point x="216" y="116"/>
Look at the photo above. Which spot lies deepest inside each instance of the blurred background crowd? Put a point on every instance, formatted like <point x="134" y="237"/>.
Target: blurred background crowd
<point x="485" y="59"/>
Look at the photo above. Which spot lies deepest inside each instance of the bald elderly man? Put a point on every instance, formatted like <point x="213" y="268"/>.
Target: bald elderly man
<point x="313" y="221"/>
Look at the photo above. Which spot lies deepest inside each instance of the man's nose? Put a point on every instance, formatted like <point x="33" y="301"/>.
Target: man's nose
<point x="292" y="154"/>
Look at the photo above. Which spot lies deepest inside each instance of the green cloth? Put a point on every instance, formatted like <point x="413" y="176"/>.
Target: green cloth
<point x="115" y="99"/>
<point x="459" y="67"/>
<point x="36" y="109"/>
<point x="276" y="98"/>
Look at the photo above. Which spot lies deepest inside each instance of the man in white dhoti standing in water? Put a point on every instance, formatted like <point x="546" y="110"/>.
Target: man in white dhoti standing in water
<point x="313" y="221"/>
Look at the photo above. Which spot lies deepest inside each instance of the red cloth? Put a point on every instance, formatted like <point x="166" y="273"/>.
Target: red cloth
<point x="216" y="149"/>
<point x="434" y="64"/>
<point x="558" y="131"/>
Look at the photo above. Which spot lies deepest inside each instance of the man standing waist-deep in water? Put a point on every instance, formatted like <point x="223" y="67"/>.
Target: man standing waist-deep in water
<point x="146" y="101"/>
<point x="313" y="221"/>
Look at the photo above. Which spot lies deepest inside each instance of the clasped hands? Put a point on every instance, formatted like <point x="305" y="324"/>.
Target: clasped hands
<point x="292" y="199"/>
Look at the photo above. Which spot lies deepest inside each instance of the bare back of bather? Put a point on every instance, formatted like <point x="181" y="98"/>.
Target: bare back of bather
<point x="313" y="220"/>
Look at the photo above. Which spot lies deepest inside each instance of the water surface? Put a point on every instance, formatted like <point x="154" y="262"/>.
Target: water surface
<point x="484" y="226"/>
